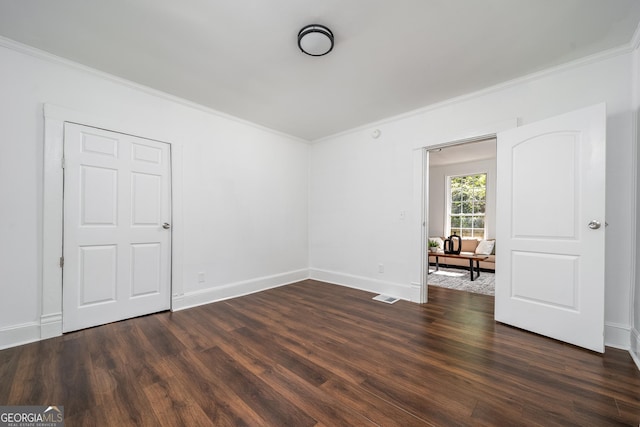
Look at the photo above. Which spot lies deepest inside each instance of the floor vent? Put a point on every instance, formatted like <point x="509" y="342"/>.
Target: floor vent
<point x="386" y="298"/>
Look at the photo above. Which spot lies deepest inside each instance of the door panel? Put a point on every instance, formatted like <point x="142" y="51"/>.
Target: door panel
<point x="550" y="264"/>
<point x="529" y="283"/>
<point x="559" y="173"/>
<point x="98" y="274"/>
<point x="98" y="194"/>
<point x="99" y="144"/>
<point x="117" y="254"/>
<point x="146" y="269"/>
<point x="146" y="198"/>
<point x="145" y="153"/>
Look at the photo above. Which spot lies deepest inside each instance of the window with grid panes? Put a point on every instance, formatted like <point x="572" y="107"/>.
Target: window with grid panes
<point x="467" y="202"/>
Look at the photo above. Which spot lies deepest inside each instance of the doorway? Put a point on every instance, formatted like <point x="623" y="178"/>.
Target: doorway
<point x="462" y="202"/>
<point x="550" y="181"/>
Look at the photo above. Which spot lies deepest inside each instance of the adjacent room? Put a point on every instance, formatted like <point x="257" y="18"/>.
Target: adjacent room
<point x="320" y="213"/>
<point x="462" y="202"/>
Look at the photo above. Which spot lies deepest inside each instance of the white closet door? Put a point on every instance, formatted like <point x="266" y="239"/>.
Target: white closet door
<point x="117" y="237"/>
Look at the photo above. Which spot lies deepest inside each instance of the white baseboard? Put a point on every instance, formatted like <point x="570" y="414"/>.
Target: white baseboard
<point x="635" y="346"/>
<point x="19" y="334"/>
<point x="406" y="292"/>
<point x="50" y="325"/>
<point x="617" y="336"/>
<point x="238" y="289"/>
<point x="177" y="302"/>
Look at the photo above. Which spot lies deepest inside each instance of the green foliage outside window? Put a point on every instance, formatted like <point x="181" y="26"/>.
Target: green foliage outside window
<point x="468" y="203"/>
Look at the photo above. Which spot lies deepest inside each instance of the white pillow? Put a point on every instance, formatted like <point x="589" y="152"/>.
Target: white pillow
<point x="485" y="247"/>
<point x="439" y="241"/>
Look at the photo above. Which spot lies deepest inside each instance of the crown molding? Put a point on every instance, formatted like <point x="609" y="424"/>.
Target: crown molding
<point x="49" y="57"/>
<point x="577" y="63"/>
<point x="54" y="59"/>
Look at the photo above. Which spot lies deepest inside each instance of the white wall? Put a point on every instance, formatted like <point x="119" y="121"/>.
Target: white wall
<point x="242" y="198"/>
<point x="438" y="194"/>
<point x="359" y="185"/>
<point x="360" y="212"/>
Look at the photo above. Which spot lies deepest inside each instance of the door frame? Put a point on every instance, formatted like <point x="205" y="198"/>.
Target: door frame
<point x="425" y="215"/>
<point x="53" y="208"/>
<point x="421" y="181"/>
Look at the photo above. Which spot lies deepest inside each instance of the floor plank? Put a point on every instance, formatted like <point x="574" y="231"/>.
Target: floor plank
<point x="315" y="354"/>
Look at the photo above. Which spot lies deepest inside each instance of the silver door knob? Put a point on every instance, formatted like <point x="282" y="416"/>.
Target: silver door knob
<point x="594" y="225"/>
<point x="166" y="226"/>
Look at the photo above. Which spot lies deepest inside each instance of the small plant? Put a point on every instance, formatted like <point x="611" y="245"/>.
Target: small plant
<point x="433" y="244"/>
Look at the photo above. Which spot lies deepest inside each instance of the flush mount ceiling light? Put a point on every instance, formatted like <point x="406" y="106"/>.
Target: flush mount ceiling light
<point x="315" y="40"/>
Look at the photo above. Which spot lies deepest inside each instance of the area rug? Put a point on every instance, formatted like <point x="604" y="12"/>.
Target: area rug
<point x="457" y="278"/>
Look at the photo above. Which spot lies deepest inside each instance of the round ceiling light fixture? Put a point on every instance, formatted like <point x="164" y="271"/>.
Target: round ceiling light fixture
<point x="315" y="40"/>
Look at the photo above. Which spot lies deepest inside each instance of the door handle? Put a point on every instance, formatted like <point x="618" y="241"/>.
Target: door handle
<point x="594" y="224"/>
<point x="166" y="226"/>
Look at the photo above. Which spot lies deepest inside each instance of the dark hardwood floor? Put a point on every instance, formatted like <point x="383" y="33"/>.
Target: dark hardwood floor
<point x="318" y="354"/>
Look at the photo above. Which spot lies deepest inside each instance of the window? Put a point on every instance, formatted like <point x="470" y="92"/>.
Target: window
<point x="467" y="202"/>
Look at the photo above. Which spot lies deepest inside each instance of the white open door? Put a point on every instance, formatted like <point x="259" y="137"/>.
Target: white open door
<point x="550" y="234"/>
<point x="117" y="241"/>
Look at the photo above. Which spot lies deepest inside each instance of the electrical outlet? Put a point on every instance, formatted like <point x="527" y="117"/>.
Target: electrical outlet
<point x="201" y="277"/>
<point x="380" y="268"/>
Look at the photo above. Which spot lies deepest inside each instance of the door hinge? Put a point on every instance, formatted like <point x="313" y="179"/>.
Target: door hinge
<point x="61" y="261"/>
<point x="62" y="163"/>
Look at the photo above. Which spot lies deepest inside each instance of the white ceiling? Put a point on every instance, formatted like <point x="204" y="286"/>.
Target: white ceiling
<point x="241" y="57"/>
